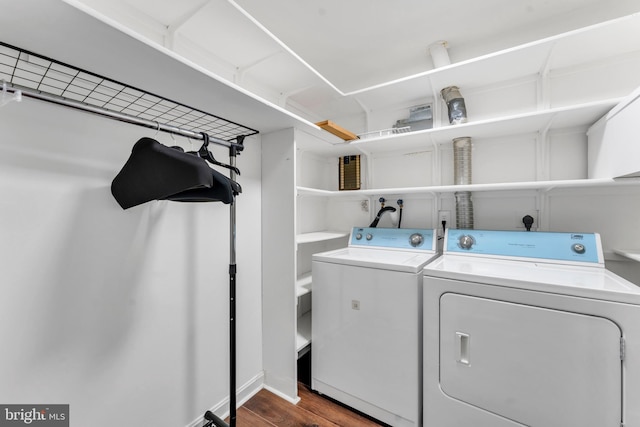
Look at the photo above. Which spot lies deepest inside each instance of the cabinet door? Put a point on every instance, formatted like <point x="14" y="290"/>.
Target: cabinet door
<point x="537" y="366"/>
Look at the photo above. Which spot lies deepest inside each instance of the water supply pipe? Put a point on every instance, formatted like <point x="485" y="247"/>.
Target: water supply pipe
<point x="439" y="54"/>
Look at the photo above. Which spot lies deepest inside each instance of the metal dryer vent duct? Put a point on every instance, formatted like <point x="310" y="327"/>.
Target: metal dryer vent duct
<point x="457" y="112"/>
<point x="455" y="105"/>
<point x="462" y="176"/>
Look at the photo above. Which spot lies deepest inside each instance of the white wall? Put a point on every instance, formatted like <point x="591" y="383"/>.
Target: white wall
<point x="121" y="314"/>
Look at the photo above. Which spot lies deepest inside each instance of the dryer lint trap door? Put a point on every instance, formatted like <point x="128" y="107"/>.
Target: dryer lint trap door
<point x="535" y="366"/>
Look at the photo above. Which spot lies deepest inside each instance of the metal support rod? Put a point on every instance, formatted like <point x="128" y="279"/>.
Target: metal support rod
<point x="214" y="420"/>
<point x="232" y="296"/>
<point x="26" y="92"/>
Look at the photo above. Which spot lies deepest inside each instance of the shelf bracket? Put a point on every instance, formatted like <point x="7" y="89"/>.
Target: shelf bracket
<point x="543" y="81"/>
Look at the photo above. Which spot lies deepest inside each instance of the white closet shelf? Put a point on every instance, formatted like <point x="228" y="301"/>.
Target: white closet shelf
<point x="303" y="337"/>
<point x="49" y="80"/>
<point x="319" y="236"/>
<point x="72" y="33"/>
<point x="630" y="254"/>
<point x="580" y="115"/>
<point x="531" y="185"/>
<point x="562" y="51"/>
<point x="303" y="284"/>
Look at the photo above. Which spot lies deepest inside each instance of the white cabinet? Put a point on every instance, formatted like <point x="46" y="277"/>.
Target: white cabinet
<point x="612" y="148"/>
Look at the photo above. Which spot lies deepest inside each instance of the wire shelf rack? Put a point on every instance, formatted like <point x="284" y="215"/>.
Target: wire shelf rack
<point x="24" y="69"/>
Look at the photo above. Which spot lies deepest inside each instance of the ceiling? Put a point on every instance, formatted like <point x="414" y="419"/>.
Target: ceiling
<point x="310" y="56"/>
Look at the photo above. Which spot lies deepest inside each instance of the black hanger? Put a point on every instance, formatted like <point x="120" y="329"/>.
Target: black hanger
<point x="157" y="172"/>
<point x="204" y="153"/>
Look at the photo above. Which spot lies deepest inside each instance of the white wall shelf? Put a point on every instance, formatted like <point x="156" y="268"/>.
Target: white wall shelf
<point x="73" y="31"/>
<point x="47" y="79"/>
<point x="562" y="51"/>
<point x="303" y="337"/>
<point x="509" y="186"/>
<point x="303" y="284"/>
<point x="319" y="236"/>
<point x="630" y="254"/>
<point x="581" y="115"/>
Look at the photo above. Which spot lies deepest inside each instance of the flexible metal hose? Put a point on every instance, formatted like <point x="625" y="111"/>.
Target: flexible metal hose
<point x="462" y="176"/>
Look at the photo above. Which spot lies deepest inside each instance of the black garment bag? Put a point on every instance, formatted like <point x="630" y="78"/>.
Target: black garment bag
<point x="157" y="172"/>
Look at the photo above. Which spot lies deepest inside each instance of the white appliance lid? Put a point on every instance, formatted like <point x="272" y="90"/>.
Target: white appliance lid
<point x="588" y="282"/>
<point x="396" y="260"/>
<point x="561" y="263"/>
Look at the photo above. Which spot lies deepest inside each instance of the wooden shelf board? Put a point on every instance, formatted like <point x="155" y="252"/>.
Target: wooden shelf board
<point x="336" y="130"/>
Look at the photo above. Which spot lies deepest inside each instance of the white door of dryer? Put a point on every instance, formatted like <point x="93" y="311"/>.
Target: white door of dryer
<point x="536" y="366"/>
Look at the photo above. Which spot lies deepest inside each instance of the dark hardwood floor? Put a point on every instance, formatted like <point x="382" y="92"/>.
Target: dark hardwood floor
<point x="265" y="409"/>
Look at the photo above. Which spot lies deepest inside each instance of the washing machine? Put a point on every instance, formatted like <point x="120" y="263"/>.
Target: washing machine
<point x="366" y="322"/>
<point x="529" y="329"/>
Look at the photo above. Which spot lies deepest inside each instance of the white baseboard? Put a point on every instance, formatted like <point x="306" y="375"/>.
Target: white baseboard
<point x="282" y="395"/>
<point x="245" y="392"/>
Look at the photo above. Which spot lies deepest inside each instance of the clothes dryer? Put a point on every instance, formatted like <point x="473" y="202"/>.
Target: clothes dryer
<point x="367" y="322"/>
<point x="529" y="329"/>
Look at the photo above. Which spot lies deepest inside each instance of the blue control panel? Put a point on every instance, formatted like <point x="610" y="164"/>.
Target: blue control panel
<point x="397" y="238"/>
<point x="581" y="247"/>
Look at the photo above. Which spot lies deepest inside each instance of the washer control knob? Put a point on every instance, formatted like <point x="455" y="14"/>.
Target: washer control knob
<point x="369" y="236"/>
<point x="579" y="248"/>
<point x="358" y="236"/>
<point x="466" y="241"/>
<point x="416" y="239"/>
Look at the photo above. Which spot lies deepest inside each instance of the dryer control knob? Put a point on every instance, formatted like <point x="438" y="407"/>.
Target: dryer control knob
<point x="369" y="236"/>
<point x="416" y="239"/>
<point x="466" y="241"/>
<point x="579" y="248"/>
<point x="358" y="236"/>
